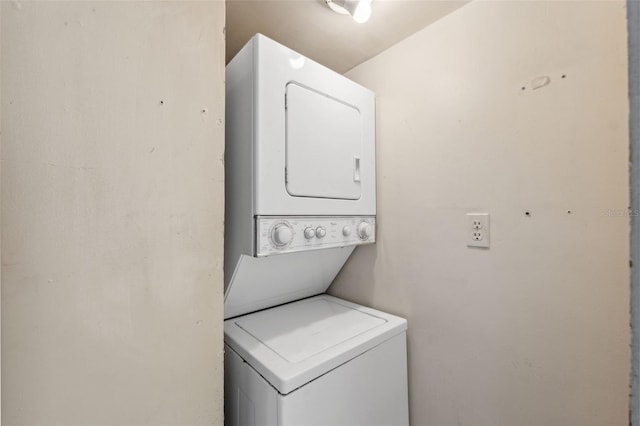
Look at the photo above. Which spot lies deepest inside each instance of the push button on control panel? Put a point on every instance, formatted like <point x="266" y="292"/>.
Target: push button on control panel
<point x="364" y="230"/>
<point x="309" y="233"/>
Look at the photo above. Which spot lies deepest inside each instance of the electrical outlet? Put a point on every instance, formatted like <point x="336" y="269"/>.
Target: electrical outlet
<point x="478" y="230"/>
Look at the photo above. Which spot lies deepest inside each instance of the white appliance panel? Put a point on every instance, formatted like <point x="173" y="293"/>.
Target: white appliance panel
<point x="319" y="325"/>
<point x="367" y="390"/>
<point x="239" y="229"/>
<point x="278" y="70"/>
<point x="323" y="145"/>
<point x="259" y="283"/>
<point x="286" y="368"/>
<point x="370" y="390"/>
<point x="313" y="233"/>
<point x="249" y="400"/>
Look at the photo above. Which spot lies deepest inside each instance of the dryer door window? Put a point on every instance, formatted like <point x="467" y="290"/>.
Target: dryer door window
<point x="324" y="145"/>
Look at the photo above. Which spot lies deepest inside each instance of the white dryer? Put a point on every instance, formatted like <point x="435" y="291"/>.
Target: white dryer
<point x="300" y="195"/>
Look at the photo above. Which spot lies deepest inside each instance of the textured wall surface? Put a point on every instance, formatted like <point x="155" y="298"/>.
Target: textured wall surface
<point x="112" y="212"/>
<point x="535" y="330"/>
<point x="633" y="23"/>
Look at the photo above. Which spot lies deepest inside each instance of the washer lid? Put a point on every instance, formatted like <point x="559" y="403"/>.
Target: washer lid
<point x="299" y="331"/>
<point x="293" y="344"/>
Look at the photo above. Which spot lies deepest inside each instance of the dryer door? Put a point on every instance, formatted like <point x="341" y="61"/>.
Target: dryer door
<point x="323" y="145"/>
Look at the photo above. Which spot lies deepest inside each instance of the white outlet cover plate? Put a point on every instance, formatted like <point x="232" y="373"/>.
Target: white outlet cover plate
<point x="477" y="230"/>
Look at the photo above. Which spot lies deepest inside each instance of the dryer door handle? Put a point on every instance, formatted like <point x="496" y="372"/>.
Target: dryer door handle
<point x="356" y="170"/>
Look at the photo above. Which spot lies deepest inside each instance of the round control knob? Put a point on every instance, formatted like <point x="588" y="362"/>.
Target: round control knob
<point x="365" y="230"/>
<point x="346" y="231"/>
<point x="309" y="233"/>
<point x="320" y="232"/>
<point x="281" y="235"/>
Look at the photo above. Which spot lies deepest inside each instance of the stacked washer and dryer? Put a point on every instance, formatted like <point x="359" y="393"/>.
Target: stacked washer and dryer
<point x="300" y="196"/>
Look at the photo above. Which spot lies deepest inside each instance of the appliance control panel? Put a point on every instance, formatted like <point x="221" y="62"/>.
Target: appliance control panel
<point x="286" y="234"/>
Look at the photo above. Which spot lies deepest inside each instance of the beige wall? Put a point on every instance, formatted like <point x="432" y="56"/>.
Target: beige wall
<point x="533" y="331"/>
<point x="112" y="212"/>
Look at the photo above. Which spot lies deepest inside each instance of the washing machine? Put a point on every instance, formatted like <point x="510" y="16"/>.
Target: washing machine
<point x="300" y="196"/>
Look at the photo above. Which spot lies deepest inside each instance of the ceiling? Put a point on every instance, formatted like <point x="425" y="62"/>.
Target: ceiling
<point x="336" y="41"/>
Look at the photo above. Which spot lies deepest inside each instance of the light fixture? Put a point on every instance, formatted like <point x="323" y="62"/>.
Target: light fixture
<point x="359" y="9"/>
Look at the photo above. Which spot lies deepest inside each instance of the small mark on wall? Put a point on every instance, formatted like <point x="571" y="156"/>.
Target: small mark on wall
<point x="539" y="82"/>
